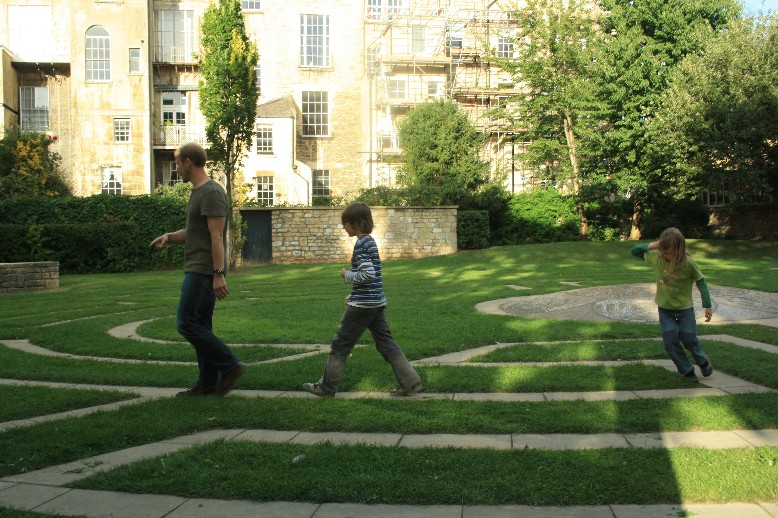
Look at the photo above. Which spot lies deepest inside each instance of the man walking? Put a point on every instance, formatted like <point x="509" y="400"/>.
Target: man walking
<point x="204" y="275"/>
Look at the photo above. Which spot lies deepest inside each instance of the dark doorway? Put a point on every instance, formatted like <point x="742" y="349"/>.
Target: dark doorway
<point x="258" y="247"/>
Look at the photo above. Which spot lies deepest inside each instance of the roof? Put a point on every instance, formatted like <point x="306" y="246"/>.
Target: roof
<point x="283" y="107"/>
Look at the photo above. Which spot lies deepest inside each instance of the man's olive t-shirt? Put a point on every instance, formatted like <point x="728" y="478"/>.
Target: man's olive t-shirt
<point x="207" y="200"/>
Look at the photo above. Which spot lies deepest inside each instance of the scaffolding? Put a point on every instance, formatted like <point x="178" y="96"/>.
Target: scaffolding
<point x="423" y="50"/>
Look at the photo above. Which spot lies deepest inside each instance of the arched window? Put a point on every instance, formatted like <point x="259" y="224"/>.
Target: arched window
<point x="98" y="54"/>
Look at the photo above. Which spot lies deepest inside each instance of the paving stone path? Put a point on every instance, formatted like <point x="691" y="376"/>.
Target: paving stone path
<point x="44" y="490"/>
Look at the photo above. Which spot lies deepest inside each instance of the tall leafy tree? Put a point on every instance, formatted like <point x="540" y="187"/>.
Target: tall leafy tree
<point x="228" y="90"/>
<point x="558" y="107"/>
<point x="441" y="152"/>
<point x="643" y="41"/>
<point x="718" y="120"/>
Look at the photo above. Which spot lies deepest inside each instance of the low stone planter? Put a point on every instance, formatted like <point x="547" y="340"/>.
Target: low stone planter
<point x="41" y="275"/>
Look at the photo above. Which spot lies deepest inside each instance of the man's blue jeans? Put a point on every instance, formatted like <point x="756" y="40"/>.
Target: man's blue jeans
<point x="354" y="322"/>
<point x="194" y="322"/>
<point x="680" y="327"/>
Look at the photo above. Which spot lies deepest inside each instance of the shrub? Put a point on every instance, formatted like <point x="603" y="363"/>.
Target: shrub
<point x="129" y="224"/>
<point x="472" y="229"/>
<point x="540" y="216"/>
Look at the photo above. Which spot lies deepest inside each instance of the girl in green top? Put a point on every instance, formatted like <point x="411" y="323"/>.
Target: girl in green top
<point x="676" y="271"/>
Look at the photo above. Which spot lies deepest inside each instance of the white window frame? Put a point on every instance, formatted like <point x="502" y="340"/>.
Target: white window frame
<point x="316" y="113"/>
<point x="314" y="40"/>
<point x="397" y="89"/>
<point x="170" y="174"/>
<point x="134" y="60"/>
<point x="122" y="130"/>
<point x="111" y="179"/>
<point x="263" y="139"/>
<point x="321" y="182"/>
<point x="173" y="105"/>
<point x="34" y="108"/>
<point x="418" y="39"/>
<point x="258" y="74"/>
<point x="97" y="55"/>
<point x="265" y="191"/>
<point x="505" y="48"/>
<point x="175" y="36"/>
<point x="250" y="5"/>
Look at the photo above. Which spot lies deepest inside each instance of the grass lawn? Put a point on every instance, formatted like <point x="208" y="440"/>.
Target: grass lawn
<point x="431" y="312"/>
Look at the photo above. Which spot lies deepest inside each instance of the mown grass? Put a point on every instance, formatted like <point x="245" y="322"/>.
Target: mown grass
<point x="427" y="476"/>
<point x="431" y="311"/>
<point x="22" y="402"/>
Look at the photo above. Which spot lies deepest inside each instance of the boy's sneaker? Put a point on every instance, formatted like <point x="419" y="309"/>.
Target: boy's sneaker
<point x="229" y="379"/>
<point x="195" y="391"/>
<point x="316" y="390"/>
<point x="706" y="368"/>
<point x="407" y="391"/>
<point x="691" y="376"/>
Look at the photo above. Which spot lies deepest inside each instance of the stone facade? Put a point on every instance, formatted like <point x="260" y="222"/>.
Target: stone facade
<point x="315" y="234"/>
<point x="42" y="275"/>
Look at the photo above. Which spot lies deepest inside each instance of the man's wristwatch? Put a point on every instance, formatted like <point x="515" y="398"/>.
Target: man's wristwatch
<point x="218" y="271"/>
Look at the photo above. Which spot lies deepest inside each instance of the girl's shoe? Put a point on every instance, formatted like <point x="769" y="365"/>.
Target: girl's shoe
<point x="316" y="390"/>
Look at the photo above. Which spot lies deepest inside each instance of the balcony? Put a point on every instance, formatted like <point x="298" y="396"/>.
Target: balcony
<point x="176" y="54"/>
<point x="56" y="53"/>
<point x="171" y="137"/>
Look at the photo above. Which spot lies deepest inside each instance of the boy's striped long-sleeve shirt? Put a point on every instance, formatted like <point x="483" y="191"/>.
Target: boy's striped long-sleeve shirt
<point x="365" y="276"/>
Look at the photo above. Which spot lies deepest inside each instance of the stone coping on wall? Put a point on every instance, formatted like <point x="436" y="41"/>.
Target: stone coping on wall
<point x="31" y="276"/>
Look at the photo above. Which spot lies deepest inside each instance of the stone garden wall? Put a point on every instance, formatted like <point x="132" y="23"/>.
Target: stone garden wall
<point x="42" y="275"/>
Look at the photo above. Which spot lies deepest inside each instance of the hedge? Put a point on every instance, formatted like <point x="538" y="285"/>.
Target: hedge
<point x="101" y="233"/>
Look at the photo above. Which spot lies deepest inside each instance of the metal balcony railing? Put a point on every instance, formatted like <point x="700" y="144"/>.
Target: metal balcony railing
<point x="173" y="136"/>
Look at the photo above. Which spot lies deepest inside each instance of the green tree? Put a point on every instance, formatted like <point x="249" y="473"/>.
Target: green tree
<point x="228" y="91"/>
<point x="558" y="107"/>
<point x="718" y="120"/>
<point x="441" y="152"/>
<point x="643" y="41"/>
<point x="28" y="167"/>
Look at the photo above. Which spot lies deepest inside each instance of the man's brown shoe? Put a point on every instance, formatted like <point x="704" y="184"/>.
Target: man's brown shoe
<point x="195" y="391"/>
<point x="229" y="379"/>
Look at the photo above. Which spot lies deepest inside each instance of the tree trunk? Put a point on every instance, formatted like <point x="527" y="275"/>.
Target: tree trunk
<point x="571" y="146"/>
<point x="637" y="220"/>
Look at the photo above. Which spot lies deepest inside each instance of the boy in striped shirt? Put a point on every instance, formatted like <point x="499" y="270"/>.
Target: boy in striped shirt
<point x="364" y="310"/>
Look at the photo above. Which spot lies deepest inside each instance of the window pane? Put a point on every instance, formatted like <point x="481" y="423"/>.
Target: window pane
<point x="98" y="54"/>
<point x="250" y="5"/>
<point x="34" y="113"/>
<point x="264" y="139"/>
<point x="320" y="185"/>
<point x="315" y="110"/>
<point x="314" y="40"/>
<point x="112" y="180"/>
<point x="134" y="61"/>
<point x="121" y="130"/>
<point x="265" y="196"/>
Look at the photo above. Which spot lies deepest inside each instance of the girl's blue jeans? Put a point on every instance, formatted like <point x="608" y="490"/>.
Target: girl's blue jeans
<point x="680" y="327"/>
<point x="353" y="323"/>
<point x="194" y="322"/>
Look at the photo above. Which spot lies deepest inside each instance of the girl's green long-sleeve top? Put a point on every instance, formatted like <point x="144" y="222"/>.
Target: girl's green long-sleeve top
<point x="674" y="288"/>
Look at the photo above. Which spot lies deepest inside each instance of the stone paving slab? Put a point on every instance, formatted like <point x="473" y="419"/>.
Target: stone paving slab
<point x="388" y="511"/>
<point x="272" y="436"/>
<point x="759" y="437"/>
<point x="205" y="437"/>
<point x="111" y="504"/>
<point x="712" y="440"/>
<point x="693" y="510"/>
<point x="27" y="496"/>
<point x="529" y="511"/>
<point x="342" y="438"/>
<point x="209" y="508"/>
<point x="569" y="441"/>
<point x="447" y="440"/>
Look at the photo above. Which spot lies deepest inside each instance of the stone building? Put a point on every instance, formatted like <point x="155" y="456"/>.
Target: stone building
<point x="116" y="81"/>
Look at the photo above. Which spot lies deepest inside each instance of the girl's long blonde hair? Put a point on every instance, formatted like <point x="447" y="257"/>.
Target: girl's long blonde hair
<point x="673" y="248"/>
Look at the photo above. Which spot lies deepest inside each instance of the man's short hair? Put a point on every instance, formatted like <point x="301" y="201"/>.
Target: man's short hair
<point x="193" y="152"/>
